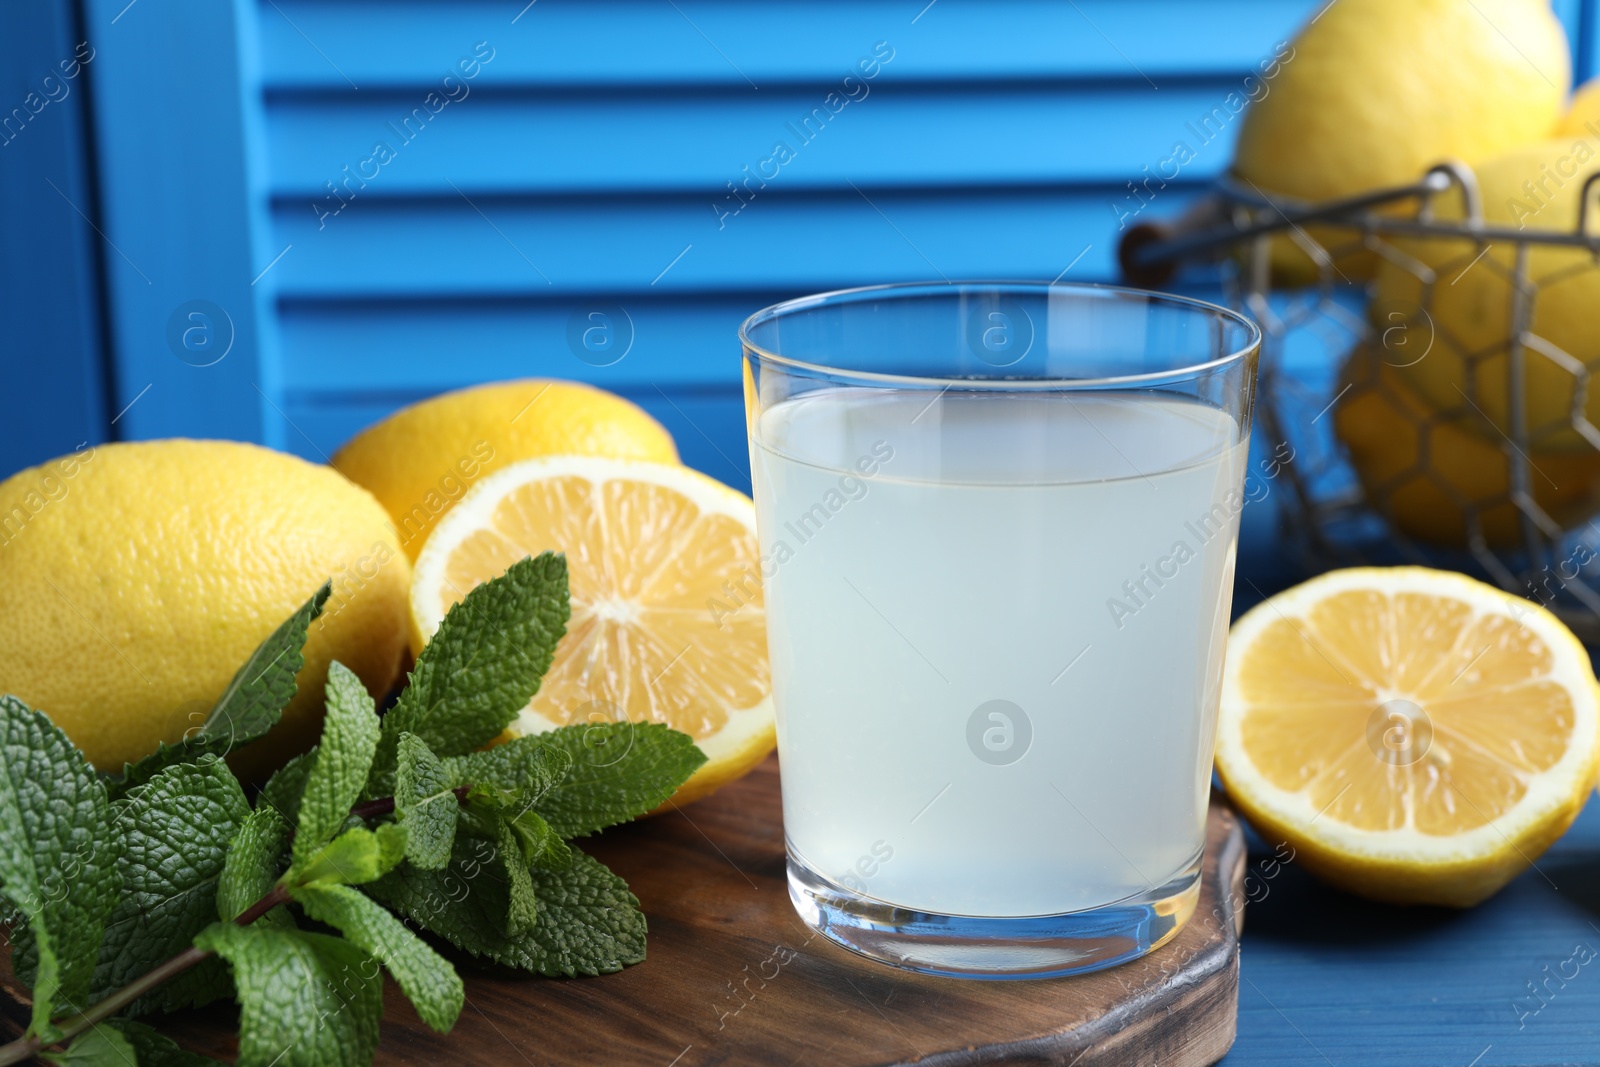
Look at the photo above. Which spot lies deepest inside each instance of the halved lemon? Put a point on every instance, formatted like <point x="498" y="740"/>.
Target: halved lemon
<point x="1414" y="735"/>
<point x="668" y="622"/>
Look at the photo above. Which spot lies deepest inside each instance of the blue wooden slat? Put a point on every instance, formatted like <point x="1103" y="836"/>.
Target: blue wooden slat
<point x="181" y="198"/>
<point x="787" y="243"/>
<point x="53" y="389"/>
<point x="892" y="135"/>
<point x="315" y="45"/>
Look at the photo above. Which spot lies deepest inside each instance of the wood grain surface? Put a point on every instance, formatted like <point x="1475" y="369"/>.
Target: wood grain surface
<point x="734" y="977"/>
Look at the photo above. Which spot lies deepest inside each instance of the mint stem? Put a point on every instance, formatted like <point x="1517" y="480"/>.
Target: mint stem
<point x="26" y="1047"/>
<point x="384" y="805"/>
<point x="276" y="895"/>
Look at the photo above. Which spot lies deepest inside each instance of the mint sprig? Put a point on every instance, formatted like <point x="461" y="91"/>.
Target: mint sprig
<point x="164" y="888"/>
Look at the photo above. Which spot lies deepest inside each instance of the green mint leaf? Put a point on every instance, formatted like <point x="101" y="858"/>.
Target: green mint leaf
<point x="482" y="666"/>
<point x="490" y="812"/>
<point x="478" y="819"/>
<point x="425" y="800"/>
<point x="249" y="707"/>
<point x="287" y="785"/>
<point x="263" y="687"/>
<point x="344" y="756"/>
<point x="522" y="907"/>
<point x="425" y="977"/>
<point x="540" y="845"/>
<point x="588" y="922"/>
<point x="176" y="830"/>
<point x="354" y="857"/>
<point x="252" y="865"/>
<point x="619" y="771"/>
<point x="305" y="1000"/>
<point x="517" y="774"/>
<point x="99" y="1046"/>
<point x="58" y="864"/>
<point x="152" y="1048"/>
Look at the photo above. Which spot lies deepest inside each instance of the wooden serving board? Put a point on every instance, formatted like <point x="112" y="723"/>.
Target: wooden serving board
<point x="734" y="977"/>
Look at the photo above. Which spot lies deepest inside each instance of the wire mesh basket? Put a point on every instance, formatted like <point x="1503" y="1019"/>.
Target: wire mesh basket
<point x="1426" y="386"/>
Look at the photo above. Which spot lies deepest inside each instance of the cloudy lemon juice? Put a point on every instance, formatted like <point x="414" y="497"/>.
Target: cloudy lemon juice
<point x="996" y="625"/>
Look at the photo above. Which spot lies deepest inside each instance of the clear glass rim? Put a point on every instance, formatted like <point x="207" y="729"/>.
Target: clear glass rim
<point x="896" y="290"/>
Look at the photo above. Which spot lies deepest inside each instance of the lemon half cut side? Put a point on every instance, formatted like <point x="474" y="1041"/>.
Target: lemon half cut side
<point x="668" y="620"/>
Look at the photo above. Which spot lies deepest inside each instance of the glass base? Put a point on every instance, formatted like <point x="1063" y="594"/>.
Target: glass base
<point x="977" y="946"/>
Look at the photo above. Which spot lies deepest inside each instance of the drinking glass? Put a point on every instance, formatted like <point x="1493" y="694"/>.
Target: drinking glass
<point x="997" y="527"/>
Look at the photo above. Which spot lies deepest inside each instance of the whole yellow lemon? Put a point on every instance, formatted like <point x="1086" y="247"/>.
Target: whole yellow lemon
<point x="419" y="461"/>
<point x="1377" y="91"/>
<point x="1466" y="299"/>
<point x="135" y="579"/>
<point x="1583" y="116"/>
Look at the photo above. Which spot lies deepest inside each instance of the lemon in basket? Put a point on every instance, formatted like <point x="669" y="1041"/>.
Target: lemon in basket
<point x="668" y="618"/>
<point x="1467" y="298"/>
<point x="1583" y="116"/>
<point x="1374" y="92"/>
<point x="1429" y="474"/>
<point x="1414" y="735"/>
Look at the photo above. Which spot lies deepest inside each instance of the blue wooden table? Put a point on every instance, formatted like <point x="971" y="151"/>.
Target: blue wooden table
<point x="1327" y="978"/>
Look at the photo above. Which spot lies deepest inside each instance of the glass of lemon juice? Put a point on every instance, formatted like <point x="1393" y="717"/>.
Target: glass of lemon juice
<point x="997" y="526"/>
